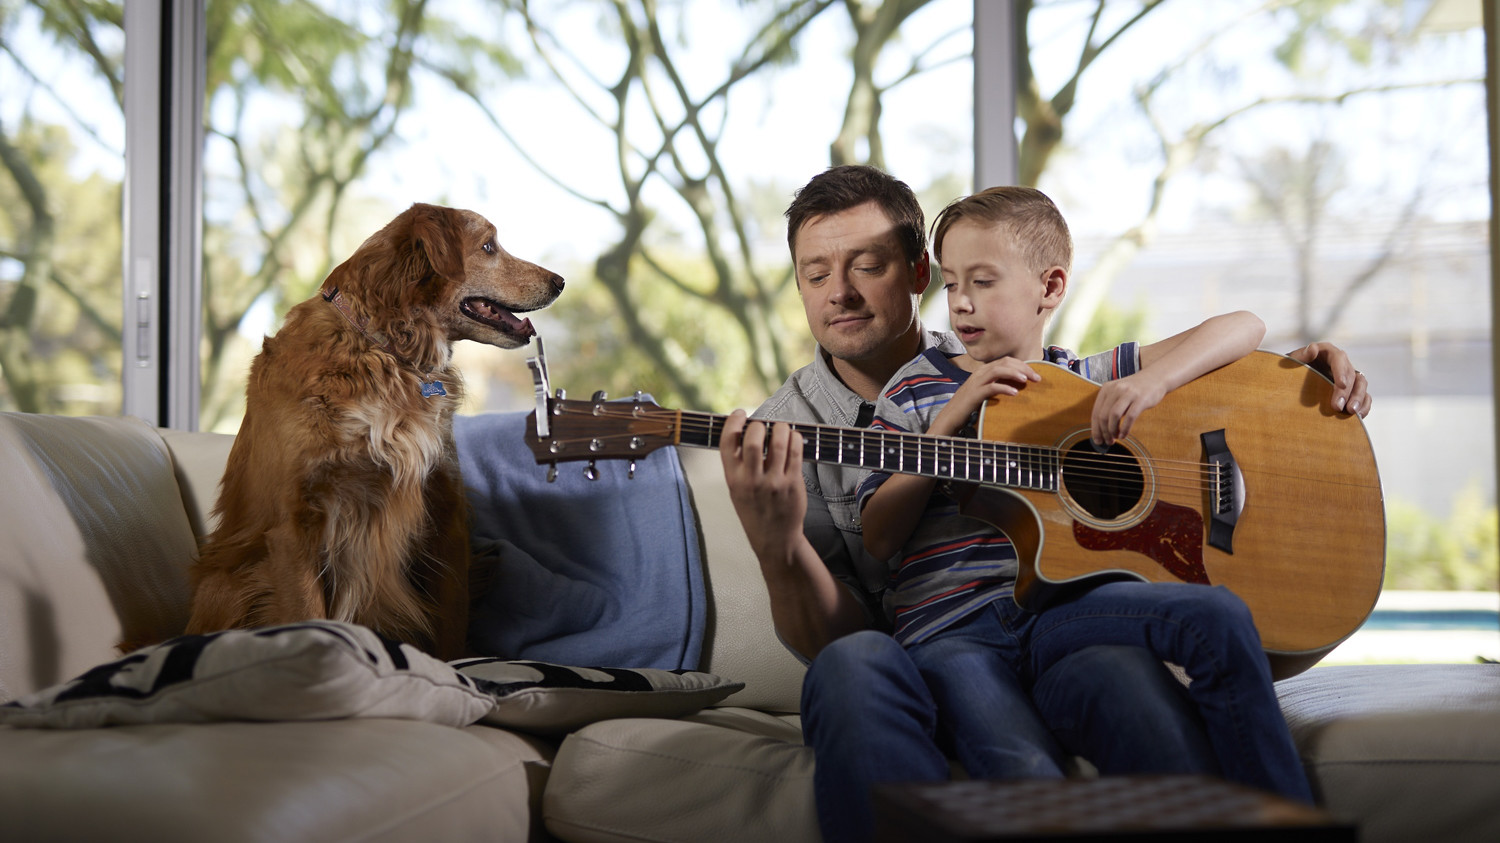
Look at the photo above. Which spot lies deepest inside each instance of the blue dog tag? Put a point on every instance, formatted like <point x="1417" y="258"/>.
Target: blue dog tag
<point x="432" y="389"/>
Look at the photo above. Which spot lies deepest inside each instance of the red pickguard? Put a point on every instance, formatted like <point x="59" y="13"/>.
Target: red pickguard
<point x="1171" y="535"/>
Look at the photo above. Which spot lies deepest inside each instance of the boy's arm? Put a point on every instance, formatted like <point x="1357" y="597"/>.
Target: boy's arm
<point x="763" y="468"/>
<point x="1171" y="363"/>
<point x="893" y="510"/>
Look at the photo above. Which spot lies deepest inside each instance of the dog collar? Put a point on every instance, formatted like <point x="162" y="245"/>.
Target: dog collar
<point x="429" y="388"/>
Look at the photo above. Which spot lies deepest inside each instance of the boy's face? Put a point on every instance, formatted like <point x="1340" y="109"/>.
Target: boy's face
<point x="997" y="303"/>
<point x="858" y="291"/>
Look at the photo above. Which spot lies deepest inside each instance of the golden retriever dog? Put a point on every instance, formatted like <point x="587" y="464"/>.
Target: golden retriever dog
<point x="341" y="498"/>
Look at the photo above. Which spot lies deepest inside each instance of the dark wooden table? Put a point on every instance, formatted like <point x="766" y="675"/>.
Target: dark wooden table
<point x="1113" y="808"/>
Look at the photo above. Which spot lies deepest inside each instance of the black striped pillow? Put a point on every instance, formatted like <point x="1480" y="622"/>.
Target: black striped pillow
<point x="549" y="699"/>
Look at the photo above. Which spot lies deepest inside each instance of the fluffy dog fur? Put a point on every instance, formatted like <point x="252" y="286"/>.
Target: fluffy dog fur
<point x="342" y="498"/>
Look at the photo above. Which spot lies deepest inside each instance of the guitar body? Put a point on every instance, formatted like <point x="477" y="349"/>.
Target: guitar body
<point x="1244" y="478"/>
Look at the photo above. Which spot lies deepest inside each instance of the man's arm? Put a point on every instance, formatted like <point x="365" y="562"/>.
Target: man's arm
<point x="763" y="467"/>
<point x="1350" y="387"/>
<point x="1171" y="363"/>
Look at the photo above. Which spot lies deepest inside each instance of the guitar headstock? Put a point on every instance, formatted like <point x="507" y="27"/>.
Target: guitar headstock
<point x="600" y="430"/>
<point x="564" y="431"/>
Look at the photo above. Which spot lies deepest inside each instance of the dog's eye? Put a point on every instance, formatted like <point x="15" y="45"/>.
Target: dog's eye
<point x="488" y="247"/>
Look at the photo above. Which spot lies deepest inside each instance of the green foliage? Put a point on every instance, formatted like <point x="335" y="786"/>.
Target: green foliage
<point x="1428" y="552"/>
<point x="60" y="276"/>
<point x="702" y="343"/>
<point x="1113" y="325"/>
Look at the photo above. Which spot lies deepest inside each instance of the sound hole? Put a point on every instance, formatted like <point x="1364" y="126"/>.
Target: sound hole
<point x="1105" y="485"/>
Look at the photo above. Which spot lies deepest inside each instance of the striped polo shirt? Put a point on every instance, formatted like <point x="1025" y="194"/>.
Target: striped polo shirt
<point x="952" y="564"/>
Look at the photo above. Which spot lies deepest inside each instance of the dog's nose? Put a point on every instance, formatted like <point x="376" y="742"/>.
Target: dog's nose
<point x="556" y="281"/>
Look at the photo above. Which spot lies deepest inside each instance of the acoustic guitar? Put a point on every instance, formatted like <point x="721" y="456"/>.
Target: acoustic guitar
<point x="1245" y="477"/>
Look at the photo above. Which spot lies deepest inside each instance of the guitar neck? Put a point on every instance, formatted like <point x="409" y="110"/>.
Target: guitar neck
<point x="943" y="457"/>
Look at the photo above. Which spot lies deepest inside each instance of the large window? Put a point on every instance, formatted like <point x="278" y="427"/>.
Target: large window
<point x="1323" y="164"/>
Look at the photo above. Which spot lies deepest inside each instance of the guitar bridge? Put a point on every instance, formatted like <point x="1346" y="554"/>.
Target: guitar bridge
<point x="1226" y="490"/>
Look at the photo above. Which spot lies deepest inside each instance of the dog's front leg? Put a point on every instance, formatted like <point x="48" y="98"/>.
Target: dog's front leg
<point x="449" y="584"/>
<point x="293" y="577"/>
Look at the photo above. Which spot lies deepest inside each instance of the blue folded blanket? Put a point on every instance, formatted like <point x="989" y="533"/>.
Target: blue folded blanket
<point x="602" y="572"/>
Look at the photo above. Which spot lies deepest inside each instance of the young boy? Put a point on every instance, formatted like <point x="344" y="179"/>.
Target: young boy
<point x="1005" y="255"/>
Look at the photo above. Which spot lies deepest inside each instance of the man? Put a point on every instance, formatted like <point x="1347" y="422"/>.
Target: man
<point x="858" y="244"/>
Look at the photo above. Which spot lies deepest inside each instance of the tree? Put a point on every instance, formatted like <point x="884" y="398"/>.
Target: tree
<point x="1312" y="35"/>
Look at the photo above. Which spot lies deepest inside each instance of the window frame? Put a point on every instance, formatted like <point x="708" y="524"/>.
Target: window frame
<point x="162" y="283"/>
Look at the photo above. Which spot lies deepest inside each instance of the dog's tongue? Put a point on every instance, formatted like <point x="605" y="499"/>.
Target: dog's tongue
<point x="488" y="311"/>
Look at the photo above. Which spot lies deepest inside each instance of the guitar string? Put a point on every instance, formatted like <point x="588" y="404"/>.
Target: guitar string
<point x="908" y="443"/>
<point x="1078" y="479"/>
<point x="1190" y="475"/>
<point x="915" y="443"/>
<point x="1089" y="471"/>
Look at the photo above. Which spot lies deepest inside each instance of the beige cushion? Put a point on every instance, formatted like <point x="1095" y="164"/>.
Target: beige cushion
<point x="97" y="545"/>
<point x="198" y="463"/>
<point x="1411" y="751"/>
<point x="367" y="780"/>
<point x="725" y="774"/>
<point x="740" y="643"/>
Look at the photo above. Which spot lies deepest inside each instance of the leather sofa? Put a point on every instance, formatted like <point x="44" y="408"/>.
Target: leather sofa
<point x="98" y="521"/>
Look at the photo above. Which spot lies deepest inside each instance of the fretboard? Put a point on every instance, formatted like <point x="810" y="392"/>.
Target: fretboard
<point x="943" y="457"/>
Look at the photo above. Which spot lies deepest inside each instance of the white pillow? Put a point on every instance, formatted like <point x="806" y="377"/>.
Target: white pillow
<point x="316" y="670"/>
<point x="548" y="699"/>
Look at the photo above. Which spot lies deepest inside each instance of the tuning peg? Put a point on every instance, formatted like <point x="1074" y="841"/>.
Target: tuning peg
<point x="631" y="474"/>
<point x="599" y="396"/>
<point x="592" y="472"/>
<point x="551" y="472"/>
<point x="561" y="393"/>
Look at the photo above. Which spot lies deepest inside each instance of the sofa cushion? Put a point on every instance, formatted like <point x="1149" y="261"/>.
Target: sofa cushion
<point x="553" y="699"/>
<point x="305" y="782"/>
<point x="741" y="642"/>
<point x="1410" y="751"/>
<point x="586" y="569"/>
<point x="316" y="670"/>
<point x="724" y="774"/>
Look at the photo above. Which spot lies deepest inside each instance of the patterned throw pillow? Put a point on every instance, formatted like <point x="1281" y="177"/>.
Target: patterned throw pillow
<point x="548" y="699"/>
<point x="316" y="670"/>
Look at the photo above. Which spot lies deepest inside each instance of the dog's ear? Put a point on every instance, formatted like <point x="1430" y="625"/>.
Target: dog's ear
<point x="438" y="232"/>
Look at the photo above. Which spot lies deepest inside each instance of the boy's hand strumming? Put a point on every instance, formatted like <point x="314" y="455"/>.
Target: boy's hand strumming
<point x="1120" y="402"/>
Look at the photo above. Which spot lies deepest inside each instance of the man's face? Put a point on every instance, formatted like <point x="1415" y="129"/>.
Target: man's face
<point x="857" y="289"/>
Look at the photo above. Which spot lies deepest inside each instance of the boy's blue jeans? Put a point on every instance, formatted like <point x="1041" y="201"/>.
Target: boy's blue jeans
<point x="1010" y="694"/>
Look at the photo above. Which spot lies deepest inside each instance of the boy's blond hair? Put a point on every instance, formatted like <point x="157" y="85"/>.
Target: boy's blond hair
<point x="1025" y="213"/>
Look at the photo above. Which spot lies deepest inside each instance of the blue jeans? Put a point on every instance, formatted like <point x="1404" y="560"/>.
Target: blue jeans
<point x="1208" y="631"/>
<point x="870" y="718"/>
<point x="870" y="709"/>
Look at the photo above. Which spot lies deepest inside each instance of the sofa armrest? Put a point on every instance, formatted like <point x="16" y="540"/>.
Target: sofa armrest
<point x="96" y="545"/>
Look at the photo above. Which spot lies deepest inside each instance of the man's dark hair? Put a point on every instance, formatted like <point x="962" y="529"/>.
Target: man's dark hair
<point x="851" y="185"/>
